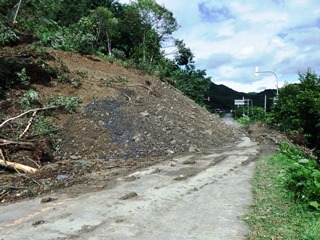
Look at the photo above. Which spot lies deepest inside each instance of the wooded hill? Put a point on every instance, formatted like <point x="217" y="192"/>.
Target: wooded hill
<point x="222" y="97"/>
<point x="133" y="34"/>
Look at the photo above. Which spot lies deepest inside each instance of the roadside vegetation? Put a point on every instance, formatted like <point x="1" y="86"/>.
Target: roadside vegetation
<point x="296" y="112"/>
<point x="247" y="116"/>
<point x="287" y="184"/>
<point x="286" y="197"/>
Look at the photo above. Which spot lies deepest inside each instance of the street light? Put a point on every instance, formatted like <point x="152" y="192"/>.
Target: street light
<point x="257" y="75"/>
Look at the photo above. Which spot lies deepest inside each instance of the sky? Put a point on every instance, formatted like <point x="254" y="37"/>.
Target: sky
<point x="229" y="38"/>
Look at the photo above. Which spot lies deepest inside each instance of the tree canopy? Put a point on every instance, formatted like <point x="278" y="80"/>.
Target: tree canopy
<point x="298" y="108"/>
<point x="134" y="32"/>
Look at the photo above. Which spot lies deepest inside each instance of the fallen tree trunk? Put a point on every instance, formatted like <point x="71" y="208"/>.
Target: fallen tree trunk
<point x="17" y="166"/>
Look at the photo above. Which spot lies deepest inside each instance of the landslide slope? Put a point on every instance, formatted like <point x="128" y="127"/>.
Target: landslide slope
<point x="130" y="114"/>
<point x="127" y="116"/>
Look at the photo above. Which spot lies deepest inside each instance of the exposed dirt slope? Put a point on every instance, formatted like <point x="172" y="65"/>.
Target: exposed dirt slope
<point x="129" y="114"/>
<point x="129" y="119"/>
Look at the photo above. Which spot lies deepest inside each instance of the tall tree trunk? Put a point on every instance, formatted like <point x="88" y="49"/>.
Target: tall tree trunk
<point x="98" y="35"/>
<point x="109" y="44"/>
<point x="144" y="47"/>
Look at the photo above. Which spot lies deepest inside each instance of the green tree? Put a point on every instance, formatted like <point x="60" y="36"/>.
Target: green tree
<point x="298" y="108"/>
<point x="106" y="26"/>
<point x="285" y="111"/>
<point x="130" y="30"/>
<point x="183" y="55"/>
<point x="6" y="9"/>
<point x="155" y="19"/>
<point x="67" y="12"/>
<point x="309" y="106"/>
<point x="192" y="82"/>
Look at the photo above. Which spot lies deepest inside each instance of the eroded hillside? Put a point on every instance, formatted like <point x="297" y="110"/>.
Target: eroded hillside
<point x="126" y="116"/>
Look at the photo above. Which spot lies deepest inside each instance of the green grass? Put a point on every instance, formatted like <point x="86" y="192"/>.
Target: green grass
<point x="243" y="121"/>
<point x="274" y="214"/>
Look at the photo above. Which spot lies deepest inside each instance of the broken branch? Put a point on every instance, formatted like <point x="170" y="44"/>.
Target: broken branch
<point x="29" y="124"/>
<point x="22" y="114"/>
<point x="129" y="98"/>
<point x="15" y="166"/>
<point x="2" y="156"/>
<point x="34" y="162"/>
<point x="4" y="142"/>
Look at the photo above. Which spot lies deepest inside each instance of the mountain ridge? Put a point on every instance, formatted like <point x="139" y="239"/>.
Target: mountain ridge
<point x="222" y="97"/>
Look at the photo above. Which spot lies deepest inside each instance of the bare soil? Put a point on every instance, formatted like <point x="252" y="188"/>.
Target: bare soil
<point x="128" y="120"/>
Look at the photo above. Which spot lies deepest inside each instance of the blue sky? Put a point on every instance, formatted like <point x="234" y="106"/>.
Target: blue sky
<point x="230" y="38"/>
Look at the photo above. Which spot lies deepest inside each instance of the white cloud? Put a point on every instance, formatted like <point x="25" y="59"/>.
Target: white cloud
<point x="230" y="38"/>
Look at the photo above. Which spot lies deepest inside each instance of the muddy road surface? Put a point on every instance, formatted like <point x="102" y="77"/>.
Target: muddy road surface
<point x="194" y="196"/>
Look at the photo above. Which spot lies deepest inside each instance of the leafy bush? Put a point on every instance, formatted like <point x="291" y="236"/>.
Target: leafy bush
<point x="41" y="126"/>
<point x="72" y="38"/>
<point x="27" y="99"/>
<point x="305" y="181"/>
<point x="258" y="114"/>
<point x="76" y="38"/>
<point x="7" y="35"/>
<point x="274" y="213"/>
<point x="119" y="54"/>
<point x="244" y="121"/>
<point x="255" y="114"/>
<point x="24" y="78"/>
<point x="302" y="176"/>
<point x="147" y="67"/>
<point x="84" y="42"/>
<point x="45" y="31"/>
<point x="67" y="104"/>
<point x="61" y="39"/>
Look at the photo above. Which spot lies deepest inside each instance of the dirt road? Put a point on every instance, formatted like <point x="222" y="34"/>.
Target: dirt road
<point x="195" y="196"/>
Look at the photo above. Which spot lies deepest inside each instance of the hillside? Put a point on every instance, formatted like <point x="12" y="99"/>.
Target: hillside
<point x="127" y="117"/>
<point x="223" y="97"/>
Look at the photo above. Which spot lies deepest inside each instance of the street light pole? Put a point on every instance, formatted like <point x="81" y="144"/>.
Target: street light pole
<point x="257" y="74"/>
<point x="249" y="105"/>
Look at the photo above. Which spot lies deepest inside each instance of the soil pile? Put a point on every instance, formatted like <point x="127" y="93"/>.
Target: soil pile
<point x="266" y="136"/>
<point x="128" y="119"/>
<point x="129" y="114"/>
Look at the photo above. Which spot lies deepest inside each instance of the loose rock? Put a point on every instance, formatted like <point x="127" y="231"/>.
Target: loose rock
<point x="128" y="196"/>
